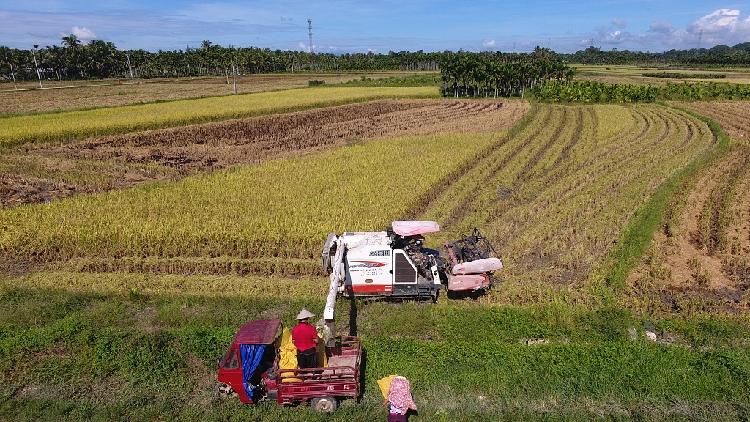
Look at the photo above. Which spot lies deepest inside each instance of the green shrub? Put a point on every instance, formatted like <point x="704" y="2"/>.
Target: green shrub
<point x="677" y="75"/>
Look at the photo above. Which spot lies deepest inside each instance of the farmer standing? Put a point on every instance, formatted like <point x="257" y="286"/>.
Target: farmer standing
<point x="305" y="338"/>
<point x="399" y="400"/>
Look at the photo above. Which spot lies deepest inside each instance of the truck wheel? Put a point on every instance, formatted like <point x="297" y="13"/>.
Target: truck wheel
<point x="323" y="404"/>
<point x="225" y="391"/>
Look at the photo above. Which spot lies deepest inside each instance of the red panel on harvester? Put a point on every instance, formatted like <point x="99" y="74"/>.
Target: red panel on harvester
<point x="372" y="288"/>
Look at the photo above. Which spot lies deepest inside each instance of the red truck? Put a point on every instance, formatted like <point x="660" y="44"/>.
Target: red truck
<point x="250" y="370"/>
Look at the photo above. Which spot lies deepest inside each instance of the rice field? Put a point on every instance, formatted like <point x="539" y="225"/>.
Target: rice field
<point x="72" y="95"/>
<point x="699" y="261"/>
<point x="553" y="194"/>
<point x="43" y="172"/>
<point x="277" y="208"/>
<point x="556" y="195"/>
<point x="115" y="303"/>
<point x="734" y="116"/>
<point x="640" y="75"/>
<point x="79" y="124"/>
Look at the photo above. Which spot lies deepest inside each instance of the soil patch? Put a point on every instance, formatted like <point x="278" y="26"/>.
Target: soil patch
<point x="681" y="266"/>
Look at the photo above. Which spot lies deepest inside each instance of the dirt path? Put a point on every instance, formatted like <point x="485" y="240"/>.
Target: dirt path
<point x="38" y="173"/>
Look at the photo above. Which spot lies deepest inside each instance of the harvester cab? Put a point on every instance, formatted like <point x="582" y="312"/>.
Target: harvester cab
<point x="395" y="263"/>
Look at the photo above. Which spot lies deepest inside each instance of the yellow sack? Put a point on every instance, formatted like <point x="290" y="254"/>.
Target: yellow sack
<point x="385" y="385"/>
<point x="287" y="355"/>
<point x="320" y="350"/>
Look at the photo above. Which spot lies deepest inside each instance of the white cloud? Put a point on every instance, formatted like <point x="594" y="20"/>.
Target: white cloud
<point x="722" y="26"/>
<point x="488" y="43"/>
<point x="664" y="28"/>
<point x="717" y="21"/>
<point x="619" y="23"/>
<point x="614" y="37"/>
<point x="83" y="33"/>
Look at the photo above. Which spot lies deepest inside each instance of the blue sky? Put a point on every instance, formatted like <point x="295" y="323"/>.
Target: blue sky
<point x="381" y="25"/>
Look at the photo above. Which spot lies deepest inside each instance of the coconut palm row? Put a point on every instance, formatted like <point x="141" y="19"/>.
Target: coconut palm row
<point x="74" y="59"/>
<point x="493" y="74"/>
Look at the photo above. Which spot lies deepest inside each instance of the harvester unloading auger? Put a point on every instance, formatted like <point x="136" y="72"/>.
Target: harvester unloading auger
<point x="394" y="263"/>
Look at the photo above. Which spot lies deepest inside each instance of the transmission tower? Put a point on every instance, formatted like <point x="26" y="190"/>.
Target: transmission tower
<point x="309" y="34"/>
<point x="700" y="38"/>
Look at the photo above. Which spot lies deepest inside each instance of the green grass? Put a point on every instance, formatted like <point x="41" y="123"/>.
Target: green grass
<point x="429" y="79"/>
<point x="143" y="355"/>
<point x="78" y="124"/>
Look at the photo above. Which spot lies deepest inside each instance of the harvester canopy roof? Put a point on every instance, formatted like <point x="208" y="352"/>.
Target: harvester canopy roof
<point x="262" y="331"/>
<point x="413" y="228"/>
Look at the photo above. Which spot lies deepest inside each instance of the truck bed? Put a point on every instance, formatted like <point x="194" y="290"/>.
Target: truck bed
<point x="339" y="361"/>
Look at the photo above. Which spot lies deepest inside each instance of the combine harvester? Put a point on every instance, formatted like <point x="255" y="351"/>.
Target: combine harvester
<point x="395" y="263"/>
<point x="387" y="264"/>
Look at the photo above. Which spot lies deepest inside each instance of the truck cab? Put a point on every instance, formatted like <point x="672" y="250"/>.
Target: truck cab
<point x="250" y="370"/>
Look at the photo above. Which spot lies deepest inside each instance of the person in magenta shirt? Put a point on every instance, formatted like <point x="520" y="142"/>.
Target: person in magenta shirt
<point x="305" y="339"/>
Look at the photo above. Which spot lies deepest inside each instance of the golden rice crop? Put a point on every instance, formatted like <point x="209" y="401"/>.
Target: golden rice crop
<point x="170" y="285"/>
<point x="279" y="208"/>
<point x="77" y="124"/>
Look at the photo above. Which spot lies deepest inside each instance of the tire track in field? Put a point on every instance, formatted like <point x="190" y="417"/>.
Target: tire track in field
<point x="488" y="158"/>
<point x="482" y="157"/>
<point x="552" y="254"/>
<point x="565" y="153"/>
<point x="465" y="206"/>
<point x="517" y="197"/>
<point x="646" y="144"/>
<point x="733" y="116"/>
<point x="595" y="162"/>
<point x="532" y="162"/>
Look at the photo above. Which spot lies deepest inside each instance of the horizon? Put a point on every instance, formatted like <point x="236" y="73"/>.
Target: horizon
<point x="382" y="26"/>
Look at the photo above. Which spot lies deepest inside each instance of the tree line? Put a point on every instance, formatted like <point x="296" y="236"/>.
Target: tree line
<point x="720" y="55"/>
<point x="73" y="59"/>
<point x="493" y="74"/>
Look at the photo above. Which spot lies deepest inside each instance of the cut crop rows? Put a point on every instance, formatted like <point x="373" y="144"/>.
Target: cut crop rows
<point x="80" y="124"/>
<point x="42" y="172"/>
<point x="280" y="208"/>
<point x="554" y="196"/>
<point x="701" y="261"/>
<point x="733" y="116"/>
